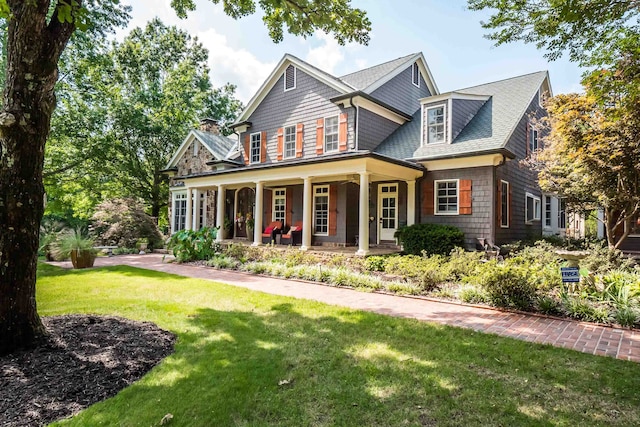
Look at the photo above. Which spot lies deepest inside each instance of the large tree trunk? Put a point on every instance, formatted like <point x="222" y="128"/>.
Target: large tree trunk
<point x="33" y="49"/>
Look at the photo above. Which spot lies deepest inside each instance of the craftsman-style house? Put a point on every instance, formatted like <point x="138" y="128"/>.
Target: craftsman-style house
<point x="347" y="160"/>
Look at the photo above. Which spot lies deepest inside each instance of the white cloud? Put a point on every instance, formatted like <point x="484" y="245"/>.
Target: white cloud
<point x="236" y="66"/>
<point x="328" y="55"/>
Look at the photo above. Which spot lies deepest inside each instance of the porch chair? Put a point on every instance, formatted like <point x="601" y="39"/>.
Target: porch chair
<point x="293" y="236"/>
<point x="269" y="234"/>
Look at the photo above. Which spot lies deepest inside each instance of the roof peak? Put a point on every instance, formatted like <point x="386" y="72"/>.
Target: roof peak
<point x="501" y="80"/>
<point x="406" y="58"/>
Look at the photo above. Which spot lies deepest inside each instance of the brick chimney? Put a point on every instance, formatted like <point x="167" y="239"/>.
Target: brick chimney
<point x="210" y="125"/>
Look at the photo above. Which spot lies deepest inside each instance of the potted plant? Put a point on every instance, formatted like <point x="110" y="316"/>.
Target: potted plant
<point x="142" y="244"/>
<point x="250" y="226"/>
<point x="77" y="246"/>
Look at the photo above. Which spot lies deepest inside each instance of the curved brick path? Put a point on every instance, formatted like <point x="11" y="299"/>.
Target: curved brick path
<point x="588" y="338"/>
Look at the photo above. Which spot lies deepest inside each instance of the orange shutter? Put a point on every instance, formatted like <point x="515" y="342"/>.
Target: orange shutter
<point x="263" y="147"/>
<point x="268" y="206"/>
<point x="528" y="127"/>
<point x="465" y="197"/>
<point x="247" y="147"/>
<point x="280" y="142"/>
<point x="299" y="139"/>
<point x="427" y="198"/>
<point x="289" y="206"/>
<point x="499" y="203"/>
<point x="342" y="132"/>
<point x="320" y="136"/>
<point x="333" y="209"/>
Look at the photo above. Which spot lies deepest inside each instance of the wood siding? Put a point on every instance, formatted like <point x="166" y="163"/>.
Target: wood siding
<point x="401" y="93"/>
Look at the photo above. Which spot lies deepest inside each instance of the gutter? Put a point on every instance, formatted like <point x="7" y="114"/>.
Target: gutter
<point x="506" y="154"/>
<point x="368" y="97"/>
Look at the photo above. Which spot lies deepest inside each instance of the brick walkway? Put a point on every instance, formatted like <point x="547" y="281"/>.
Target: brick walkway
<point x="588" y="338"/>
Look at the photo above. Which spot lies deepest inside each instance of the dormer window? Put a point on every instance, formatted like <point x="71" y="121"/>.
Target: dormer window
<point x="415" y="74"/>
<point x="290" y="78"/>
<point x="436" y="128"/>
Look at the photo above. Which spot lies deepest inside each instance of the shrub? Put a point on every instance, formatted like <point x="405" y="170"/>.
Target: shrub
<point x="472" y="295"/>
<point x="540" y="253"/>
<point x="236" y="251"/>
<point x="122" y="222"/>
<point x="549" y="305"/>
<point x="403" y="288"/>
<point x="626" y="317"/>
<point x="426" y="272"/>
<point x="375" y="263"/>
<point x="292" y="257"/>
<point x="189" y="245"/>
<point x="601" y="259"/>
<point x="124" y="251"/>
<point x="430" y="238"/>
<point x="509" y="287"/>
<point x="462" y="263"/>
<point x="223" y="262"/>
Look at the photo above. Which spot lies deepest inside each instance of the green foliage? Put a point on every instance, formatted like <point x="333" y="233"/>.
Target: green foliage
<point x="472" y="294"/>
<point x="602" y="259"/>
<point x="463" y="263"/>
<point x="626" y="316"/>
<point x="433" y="239"/>
<point x="508" y="286"/>
<point x="125" y="251"/>
<point x="549" y="305"/>
<point x="189" y="245"/>
<point x="423" y="271"/>
<point x="375" y="263"/>
<point x="581" y="308"/>
<point x="123" y="222"/>
<point x="223" y="262"/>
<point x="71" y="240"/>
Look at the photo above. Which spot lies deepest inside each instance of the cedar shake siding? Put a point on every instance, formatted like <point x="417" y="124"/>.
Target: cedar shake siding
<point x="401" y="93"/>
<point x="305" y="104"/>
<point x="373" y="129"/>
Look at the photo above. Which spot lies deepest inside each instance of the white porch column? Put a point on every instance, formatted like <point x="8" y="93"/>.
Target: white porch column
<point x="172" y="219"/>
<point x="411" y="202"/>
<point x="188" y="221"/>
<point x="257" y="226"/>
<point x="220" y="212"/>
<point x="363" y="225"/>
<point x="196" y="208"/>
<point x="307" y="215"/>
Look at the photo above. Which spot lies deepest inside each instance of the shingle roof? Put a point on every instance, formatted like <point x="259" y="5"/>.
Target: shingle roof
<point x="220" y="145"/>
<point x="365" y="78"/>
<point x="490" y="128"/>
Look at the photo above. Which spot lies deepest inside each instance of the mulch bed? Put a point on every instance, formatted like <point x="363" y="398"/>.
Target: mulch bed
<point x="87" y="359"/>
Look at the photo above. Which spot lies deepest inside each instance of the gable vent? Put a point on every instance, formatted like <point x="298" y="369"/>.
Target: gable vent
<point x="290" y="78"/>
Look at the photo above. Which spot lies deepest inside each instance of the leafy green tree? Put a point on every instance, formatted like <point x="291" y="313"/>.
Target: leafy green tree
<point x="581" y="28"/>
<point x="38" y="32"/>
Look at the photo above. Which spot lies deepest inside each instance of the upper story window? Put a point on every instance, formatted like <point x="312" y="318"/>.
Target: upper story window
<point x="331" y="134"/>
<point x="415" y="74"/>
<point x="533" y="139"/>
<point x="436" y="124"/>
<point x="532" y="208"/>
<point x="446" y="197"/>
<point x="255" y="148"/>
<point x="289" y="142"/>
<point x="290" y="78"/>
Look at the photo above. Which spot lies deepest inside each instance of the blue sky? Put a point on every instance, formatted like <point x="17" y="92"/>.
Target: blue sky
<point x="449" y="35"/>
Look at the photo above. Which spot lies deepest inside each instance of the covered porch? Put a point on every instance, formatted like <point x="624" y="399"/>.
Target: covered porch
<point x="357" y="199"/>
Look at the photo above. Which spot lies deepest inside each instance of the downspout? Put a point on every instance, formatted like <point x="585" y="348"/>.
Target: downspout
<point x="356" y="123"/>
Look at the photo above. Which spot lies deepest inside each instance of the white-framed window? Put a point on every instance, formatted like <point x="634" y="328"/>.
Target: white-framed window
<point x="290" y="78"/>
<point x="533" y="139"/>
<point x="436" y="118"/>
<point x="415" y="74"/>
<point x="279" y="204"/>
<point x="446" y="197"/>
<point x="532" y="208"/>
<point x="202" y="211"/>
<point x="179" y="212"/>
<point x="255" y="148"/>
<point x="289" y="142"/>
<point x="504" y="204"/>
<point x="547" y="210"/>
<point x="321" y="210"/>
<point x="331" y="126"/>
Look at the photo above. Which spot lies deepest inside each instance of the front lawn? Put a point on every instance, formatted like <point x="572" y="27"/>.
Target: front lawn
<point x="249" y="358"/>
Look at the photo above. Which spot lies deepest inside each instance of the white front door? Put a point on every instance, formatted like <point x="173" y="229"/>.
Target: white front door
<point x="387" y="211"/>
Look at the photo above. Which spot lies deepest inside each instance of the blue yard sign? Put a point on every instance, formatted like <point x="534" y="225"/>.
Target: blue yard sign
<point x="570" y="274"/>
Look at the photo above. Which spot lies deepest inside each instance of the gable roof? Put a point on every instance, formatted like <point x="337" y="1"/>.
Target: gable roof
<point x="220" y="147"/>
<point x="489" y="130"/>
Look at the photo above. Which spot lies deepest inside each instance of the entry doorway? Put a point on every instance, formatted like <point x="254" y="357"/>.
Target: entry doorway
<point x="387" y="211"/>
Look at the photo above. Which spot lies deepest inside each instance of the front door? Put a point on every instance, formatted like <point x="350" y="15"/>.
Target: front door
<point x="387" y="211"/>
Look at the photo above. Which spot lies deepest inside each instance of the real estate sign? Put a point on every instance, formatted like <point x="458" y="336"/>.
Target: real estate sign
<point x="570" y="274"/>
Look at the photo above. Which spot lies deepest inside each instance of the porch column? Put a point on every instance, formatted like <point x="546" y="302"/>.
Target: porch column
<point x="172" y="216"/>
<point x="363" y="223"/>
<point x="257" y="226"/>
<point x="307" y="213"/>
<point x="220" y="212"/>
<point x="196" y="208"/>
<point x="411" y="202"/>
<point x="188" y="221"/>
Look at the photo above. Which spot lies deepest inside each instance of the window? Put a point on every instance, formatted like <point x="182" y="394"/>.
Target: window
<point x="446" y="197"/>
<point x="532" y="208"/>
<point x="179" y="211"/>
<point x="415" y="74"/>
<point x="331" y="134"/>
<point x="255" y="148"/>
<point x="321" y="210"/>
<point x="562" y="215"/>
<point x="436" y="124"/>
<point x="504" y="204"/>
<point x="290" y="78"/>
<point x="202" y="211"/>
<point x="289" y="142"/>
<point x="547" y="211"/>
<point x="533" y="139"/>
<point x="279" y="204"/>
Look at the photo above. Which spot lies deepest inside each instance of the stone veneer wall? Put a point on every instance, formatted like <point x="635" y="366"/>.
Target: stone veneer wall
<point x="190" y="164"/>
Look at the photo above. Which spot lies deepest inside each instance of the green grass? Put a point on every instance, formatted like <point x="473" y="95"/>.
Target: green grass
<point x="344" y="367"/>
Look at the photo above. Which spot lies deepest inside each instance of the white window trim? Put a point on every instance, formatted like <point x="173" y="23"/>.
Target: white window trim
<point x="447" y="124"/>
<point x="533" y="131"/>
<point x="273" y="204"/>
<point x="295" y="78"/>
<point x="251" y="162"/>
<point x="435" y="197"/>
<point x="502" y="225"/>
<point x="284" y="142"/>
<point x="535" y="211"/>
<point x="324" y="143"/>
<point x="543" y="207"/>
<point x="415" y="69"/>
<point x="313" y="229"/>
<point x="174" y="197"/>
